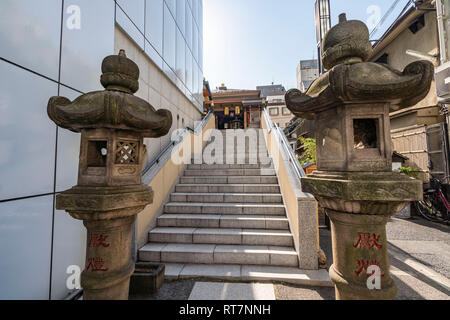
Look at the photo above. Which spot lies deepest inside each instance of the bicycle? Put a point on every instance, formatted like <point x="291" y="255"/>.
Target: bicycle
<point x="435" y="207"/>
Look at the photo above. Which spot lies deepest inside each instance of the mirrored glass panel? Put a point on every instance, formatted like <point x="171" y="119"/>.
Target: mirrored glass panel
<point x="195" y="43"/>
<point x="194" y="78"/>
<point x="135" y="11"/>
<point x="30" y="34"/>
<point x="200" y="16"/>
<point x="25" y="243"/>
<point x="171" y="4"/>
<point x="153" y="54"/>
<point x="181" y="56"/>
<point x="200" y="53"/>
<point x="188" y="31"/>
<point x="27" y="135"/>
<point x="69" y="251"/>
<point x="181" y="15"/>
<point x="130" y="27"/>
<point x="68" y="151"/>
<point x="88" y="37"/>
<point x="169" y="73"/>
<point x="200" y="86"/>
<point x="195" y="10"/>
<point x="189" y="72"/>
<point x="154" y="23"/>
<point x="169" y="38"/>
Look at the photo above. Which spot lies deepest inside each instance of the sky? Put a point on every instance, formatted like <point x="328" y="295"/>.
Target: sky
<point x="248" y="43"/>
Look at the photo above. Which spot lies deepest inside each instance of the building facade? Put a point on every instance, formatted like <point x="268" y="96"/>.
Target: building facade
<point x="271" y="90"/>
<point x="236" y="108"/>
<point x="278" y="111"/>
<point x="276" y="105"/>
<point x="307" y="72"/>
<point x="55" y="47"/>
<point x="414" y="36"/>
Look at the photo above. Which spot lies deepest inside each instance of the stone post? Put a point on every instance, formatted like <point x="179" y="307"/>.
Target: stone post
<point x="110" y="193"/>
<point x="354" y="181"/>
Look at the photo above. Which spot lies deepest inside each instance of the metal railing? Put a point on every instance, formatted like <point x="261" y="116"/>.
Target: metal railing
<point x="178" y="139"/>
<point x="299" y="172"/>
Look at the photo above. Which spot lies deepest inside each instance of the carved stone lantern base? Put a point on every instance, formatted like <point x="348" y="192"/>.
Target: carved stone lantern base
<point x="350" y="279"/>
<point x="108" y="213"/>
<point x="359" y="207"/>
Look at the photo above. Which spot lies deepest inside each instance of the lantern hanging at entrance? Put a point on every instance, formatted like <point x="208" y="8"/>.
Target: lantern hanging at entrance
<point x="226" y="111"/>
<point x="238" y="111"/>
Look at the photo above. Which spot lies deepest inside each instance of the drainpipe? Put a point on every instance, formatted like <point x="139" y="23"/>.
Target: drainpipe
<point x="442" y="11"/>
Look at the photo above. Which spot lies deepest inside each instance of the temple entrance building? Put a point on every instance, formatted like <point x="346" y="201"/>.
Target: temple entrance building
<point x="236" y="108"/>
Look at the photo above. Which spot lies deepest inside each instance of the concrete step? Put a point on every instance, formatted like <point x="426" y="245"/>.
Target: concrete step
<point x="235" y="158"/>
<point x="225" y="208"/>
<point x="227" y="197"/>
<point x="227" y="188"/>
<point x="219" y="254"/>
<point x="251" y="273"/>
<point x="229" y="166"/>
<point x="223" y="221"/>
<point x="229" y="179"/>
<point x="230" y="172"/>
<point x="282" y="238"/>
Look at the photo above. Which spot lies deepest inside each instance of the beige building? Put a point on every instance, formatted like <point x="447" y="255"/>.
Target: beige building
<point x="278" y="111"/>
<point x="416" y="30"/>
<point x="414" y="36"/>
<point x="274" y="99"/>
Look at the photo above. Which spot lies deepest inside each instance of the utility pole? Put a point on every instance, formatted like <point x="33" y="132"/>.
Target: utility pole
<point x="323" y="24"/>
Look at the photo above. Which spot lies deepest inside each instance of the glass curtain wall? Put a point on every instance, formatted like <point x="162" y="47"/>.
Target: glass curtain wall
<point x="170" y="33"/>
<point x="55" y="47"/>
<point x="49" y="48"/>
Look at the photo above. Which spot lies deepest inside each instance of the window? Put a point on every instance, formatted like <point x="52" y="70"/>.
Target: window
<point x="383" y="59"/>
<point x="417" y="25"/>
<point x="273" y="111"/>
<point x="286" y="111"/>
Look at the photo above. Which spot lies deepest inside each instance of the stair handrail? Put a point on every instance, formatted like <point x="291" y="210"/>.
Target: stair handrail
<point x="176" y="141"/>
<point x="299" y="172"/>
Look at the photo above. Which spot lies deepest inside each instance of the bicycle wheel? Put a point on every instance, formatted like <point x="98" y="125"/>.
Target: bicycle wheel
<point x="427" y="209"/>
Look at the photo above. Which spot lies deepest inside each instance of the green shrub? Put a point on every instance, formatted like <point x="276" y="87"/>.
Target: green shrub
<point x="410" y="172"/>
<point x="309" y="154"/>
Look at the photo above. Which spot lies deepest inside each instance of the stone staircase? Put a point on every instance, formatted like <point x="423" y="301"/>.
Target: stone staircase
<point x="228" y="222"/>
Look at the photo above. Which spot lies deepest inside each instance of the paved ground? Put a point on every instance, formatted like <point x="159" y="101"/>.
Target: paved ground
<point x="419" y="253"/>
<point x="425" y="241"/>
<point x="232" y="291"/>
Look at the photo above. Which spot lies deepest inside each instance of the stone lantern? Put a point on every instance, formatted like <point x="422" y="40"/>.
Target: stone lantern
<point x="109" y="194"/>
<point x="354" y="181"/>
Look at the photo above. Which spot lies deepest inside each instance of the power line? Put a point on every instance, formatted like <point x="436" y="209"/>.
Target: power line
<point x="383" y="19"/>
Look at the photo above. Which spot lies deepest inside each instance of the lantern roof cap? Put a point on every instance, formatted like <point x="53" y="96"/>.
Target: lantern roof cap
<point x="351" y="79"/>
<point x="116" y="107"/>
<point x="347" y="42"/>
<point x="120" y="73"/>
